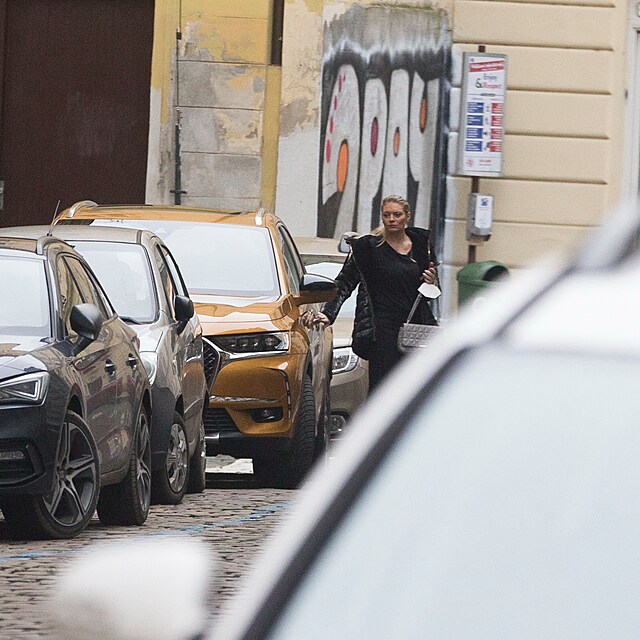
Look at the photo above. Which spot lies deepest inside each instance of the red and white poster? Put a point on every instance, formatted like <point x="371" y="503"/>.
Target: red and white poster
<point x="481" y="130"/>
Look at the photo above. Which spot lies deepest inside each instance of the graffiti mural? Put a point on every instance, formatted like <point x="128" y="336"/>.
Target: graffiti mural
<point x="383" y="109"/>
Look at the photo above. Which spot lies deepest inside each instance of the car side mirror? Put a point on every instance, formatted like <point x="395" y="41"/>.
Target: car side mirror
<point x="86" y="320"/>
<point x="119" y="590"/>
<point x="316" y="288"/>
<point x="183" y="307"/>
<point x="344" y="245"/>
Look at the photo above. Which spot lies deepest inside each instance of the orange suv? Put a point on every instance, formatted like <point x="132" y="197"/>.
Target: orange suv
<point x="269" y="375"/>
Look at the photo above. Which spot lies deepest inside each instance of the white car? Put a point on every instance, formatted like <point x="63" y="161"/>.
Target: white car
<point x="350" y="379"/>
<point x="490" y="488"/>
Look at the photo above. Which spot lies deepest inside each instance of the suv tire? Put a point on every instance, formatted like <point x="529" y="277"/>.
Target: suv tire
<point x="198" y="467"/>
<point x="127" y="503"/>
<point x="169" y="483"/>
<point x="67" y="509"/>
<point x="288" y="470"/>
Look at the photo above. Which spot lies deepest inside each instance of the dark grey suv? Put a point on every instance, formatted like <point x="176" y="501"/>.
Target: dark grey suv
<point x="144" y="284"/>
<point x="74" y="397"/>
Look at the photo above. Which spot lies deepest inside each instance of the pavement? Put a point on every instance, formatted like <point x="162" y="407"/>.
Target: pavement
<point x="232" y="517"/>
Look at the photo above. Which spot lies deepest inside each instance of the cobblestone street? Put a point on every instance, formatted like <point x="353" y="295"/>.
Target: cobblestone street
<point x="231" y="516"/>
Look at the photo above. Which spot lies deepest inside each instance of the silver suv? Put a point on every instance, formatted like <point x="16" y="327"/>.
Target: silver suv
<point x="145" y="286"/>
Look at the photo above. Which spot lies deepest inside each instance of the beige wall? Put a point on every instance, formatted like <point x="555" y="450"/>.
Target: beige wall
<point x="564" y="110"/>
<point x="564" y="106"/>
<point x="251" y="132"/>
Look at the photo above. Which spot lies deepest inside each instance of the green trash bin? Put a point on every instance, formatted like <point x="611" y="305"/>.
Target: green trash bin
<point x="476" y="277"/>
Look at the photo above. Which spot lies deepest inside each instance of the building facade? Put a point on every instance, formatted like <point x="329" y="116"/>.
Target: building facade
<point x="318" y="107"/>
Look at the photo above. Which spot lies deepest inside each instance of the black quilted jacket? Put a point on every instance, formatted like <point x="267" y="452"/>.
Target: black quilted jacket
<point x="355" y="271"/>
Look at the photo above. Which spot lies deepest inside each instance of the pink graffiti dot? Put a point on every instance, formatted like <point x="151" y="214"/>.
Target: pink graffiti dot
<point x="375" y="130"/>
<point x="327" y="151"/>
<point x="339" y="84"/>
<point x="335" y="102"/>
<point x="331" y="125"/>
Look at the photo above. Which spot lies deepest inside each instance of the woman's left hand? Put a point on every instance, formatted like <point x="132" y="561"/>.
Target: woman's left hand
<point x="429" y="275"/>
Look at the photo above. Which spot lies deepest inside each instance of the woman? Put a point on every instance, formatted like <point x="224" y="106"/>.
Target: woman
<point x="388" y="265"/>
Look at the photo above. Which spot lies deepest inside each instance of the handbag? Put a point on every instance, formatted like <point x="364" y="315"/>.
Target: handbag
<point x="415" y="336"/>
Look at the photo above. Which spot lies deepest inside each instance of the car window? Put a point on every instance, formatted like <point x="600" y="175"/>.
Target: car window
<point x="25" y="297"/>
<point x="293" y="266"/>
<point x="219" y="259"/>
<point x="125" y="273"/>
<point x="176" y="276"/>
<point x="165" y="277"/>
<point x="511" y="495"/>
<point x="69" y="295"/>
<point x="330" y="266"/>
<point x="88" y="290"/>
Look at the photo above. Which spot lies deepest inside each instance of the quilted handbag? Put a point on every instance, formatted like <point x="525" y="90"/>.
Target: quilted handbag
<point x="413" y="336"/>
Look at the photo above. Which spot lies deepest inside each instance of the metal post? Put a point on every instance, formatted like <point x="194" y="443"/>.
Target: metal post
<point x="475" y="188"/>
<point x="177" y="190"/>
<point x="177" y="186"/>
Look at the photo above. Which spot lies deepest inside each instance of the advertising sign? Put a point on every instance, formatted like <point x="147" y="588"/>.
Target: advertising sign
<point x="481" y="131"/>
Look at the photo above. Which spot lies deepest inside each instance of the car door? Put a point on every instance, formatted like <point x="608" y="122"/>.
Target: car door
<point x="122" y="353"/>
<point x="317" y="339"/>
<point x="95" y="368"/>
<point x="185" y="339"/>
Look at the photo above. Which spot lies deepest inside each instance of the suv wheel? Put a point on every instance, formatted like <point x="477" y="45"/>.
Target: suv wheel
<point x="70" y="504"/>
<point x="287" y="471"/>
<point x="127" y="502"/>
<point x="169" y="484"/>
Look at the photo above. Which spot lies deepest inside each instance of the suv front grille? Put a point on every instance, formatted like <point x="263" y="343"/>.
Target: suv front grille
<point x="211" y="361"/>
<point x="216" y="420"/>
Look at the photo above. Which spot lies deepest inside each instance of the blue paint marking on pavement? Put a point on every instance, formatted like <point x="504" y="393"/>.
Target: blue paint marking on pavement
<point x="256" y="514"/>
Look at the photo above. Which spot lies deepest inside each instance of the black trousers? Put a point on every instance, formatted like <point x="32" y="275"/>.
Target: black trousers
<point x="385" y="354"/>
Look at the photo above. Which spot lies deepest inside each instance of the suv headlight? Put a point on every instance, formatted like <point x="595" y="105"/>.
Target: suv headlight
<point x="275" y="341"/>
<point x="28" y="389"/>
<point x="344" y="360"/>
<point x="150" y="363"/>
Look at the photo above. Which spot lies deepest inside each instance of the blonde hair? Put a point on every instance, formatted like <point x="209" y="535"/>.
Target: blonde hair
<point x="392" y="197"/>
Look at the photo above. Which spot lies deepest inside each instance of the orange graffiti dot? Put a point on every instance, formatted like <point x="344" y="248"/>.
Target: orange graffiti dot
<point x="396" y="142"/>
<point x="423" y="114"/>
<point x="343" y="165"/>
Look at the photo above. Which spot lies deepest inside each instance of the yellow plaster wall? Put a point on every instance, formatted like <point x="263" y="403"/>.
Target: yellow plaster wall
<point x="229" y="114"/>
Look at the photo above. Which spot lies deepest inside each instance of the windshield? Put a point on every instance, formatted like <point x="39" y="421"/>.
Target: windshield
<point x="330" y="266"/>
<point x="25" y="298"/>
<point x="509" y="507"/>
<point x="217" y="258"/>
<point x="125" y="274"/>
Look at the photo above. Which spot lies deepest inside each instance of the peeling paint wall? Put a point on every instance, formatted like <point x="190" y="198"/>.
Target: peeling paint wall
<point x="218" y="90"/>
<point x="384" y="98"/>
<point x="372" y="39"/>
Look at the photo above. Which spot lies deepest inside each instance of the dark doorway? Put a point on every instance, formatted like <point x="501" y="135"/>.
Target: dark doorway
<point x="74" y="88"/>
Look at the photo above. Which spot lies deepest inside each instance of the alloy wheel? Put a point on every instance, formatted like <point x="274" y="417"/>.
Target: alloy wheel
<point x="177" y="458"/>
<point x="75" y="480"/>
<point x="143" y="462"/>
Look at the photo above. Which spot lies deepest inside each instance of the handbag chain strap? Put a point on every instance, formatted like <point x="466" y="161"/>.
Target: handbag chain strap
<point x="417" y="302"/>
<point x="414" y="307"/>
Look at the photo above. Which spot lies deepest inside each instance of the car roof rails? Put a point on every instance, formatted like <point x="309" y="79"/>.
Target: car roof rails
<point x="43" y="241"/>
<point x="74" y="208"/>
<point x="260" y="214"/>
